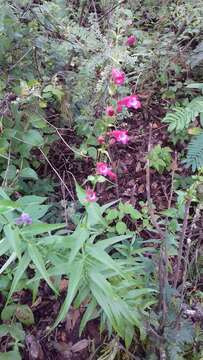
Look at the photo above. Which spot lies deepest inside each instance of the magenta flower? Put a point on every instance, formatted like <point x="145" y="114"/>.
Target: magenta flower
<point x="112" y="175"/>
<point x="120" y="136"/>
<point x="102" y="168"/>
<point x="131" y="41"/>
<point x="110" y="111"/>
<point x="118" y="76"/>
<point x="24" y="219"/>
<point x="90" y="195"/>
<point x="129" y="102"/>
<point x="101" y="139"/>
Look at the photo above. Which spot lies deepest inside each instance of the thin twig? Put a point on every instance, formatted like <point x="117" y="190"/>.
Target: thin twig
<point x="56" y="172"/>
<point x="181" y="242"/>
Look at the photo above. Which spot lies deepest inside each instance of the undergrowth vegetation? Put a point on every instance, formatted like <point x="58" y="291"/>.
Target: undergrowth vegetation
<point x="101" y="111"/>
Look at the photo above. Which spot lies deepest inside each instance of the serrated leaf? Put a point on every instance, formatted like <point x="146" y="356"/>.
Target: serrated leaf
<point x="121" y="227"/>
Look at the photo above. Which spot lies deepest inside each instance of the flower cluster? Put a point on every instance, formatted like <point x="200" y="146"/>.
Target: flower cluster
<point x="103" y="169"/>
<point x="131" y="102"/>
<point x="24" y="219"/>
<point x="131" y="41"/>
<point x="120" y="136"/>
<point x="118" y="76"/>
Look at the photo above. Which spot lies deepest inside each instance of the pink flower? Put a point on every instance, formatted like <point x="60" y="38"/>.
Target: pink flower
<point x="101" y="139"/>
<point x="102" y="168"/>
<point x="110" y="111"/>
<point x="129" y="102"/>
<point x="112" y="175"/>
<point x="90" y="195"/>
<point x="120" y="136"/>
<point x="131" y="41"/>
<point x="118" y="76"/>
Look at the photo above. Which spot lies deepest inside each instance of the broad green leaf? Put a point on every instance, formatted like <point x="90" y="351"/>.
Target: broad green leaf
<point x="76" y="276"/>
<point x="37" y="259"/>
<point x="14" y="239"/>
<point x="37" y="229"/>
<point x="8" y="312"/>
<point x="10" y="173"/>
<point x="24" y="314"/>
<point x="6" y="205"/>
<point x="17" y="332"/>
<point x="30" y="200"/>
<point x="36" y="212"/>
<point x="10" y="355"/>
<point x="33" y="138"/>
<point x="22" y="266"/>
<point x="28" y="173"/>
<point x="3" y="194"/>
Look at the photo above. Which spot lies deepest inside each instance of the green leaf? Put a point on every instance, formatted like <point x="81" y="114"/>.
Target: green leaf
<point x="121" y="227"/>
<point x="88" y="315"/>
<point x="33" y="138"/>
<point x="103" y="244"/>
<point x="36" y="212"/>
<point x="104" y="258"/>
<point x="112" y="215"/>
<point x="37" y="229"/>
<point x="10" y="355"/>
<point x="80" y="235"/>
<point x="76" y="276"/>
<point x="28" y="173"/>
<point x="14" y="239"/>
<point x="22" y="266"/>
<point x="92" y="152"/>
<point x="6" y="205"/>
<point x="10" y="173"/>
<point x="4" y="246"/>
<point x="37" y="259"/>
<point x="30" y="200"/>
<point x="8" y="312"/>
<point x="25" y="315"/>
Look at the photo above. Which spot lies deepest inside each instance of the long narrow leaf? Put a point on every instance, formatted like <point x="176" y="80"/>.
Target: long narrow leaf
<point x="104" y="258"/>
<point x="74" y="280"/>
<point x="39" y="263"/>
<point x="37" y="229"/>
<point x="4" y="246"/>
<point x="8" y="262"/>
<point x="14" y="239"/>
<point x="22" y="266"/>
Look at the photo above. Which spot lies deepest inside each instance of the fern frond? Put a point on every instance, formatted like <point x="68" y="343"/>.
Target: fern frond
<point x="180" y="118"/>
<point x="195" y="153"/>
